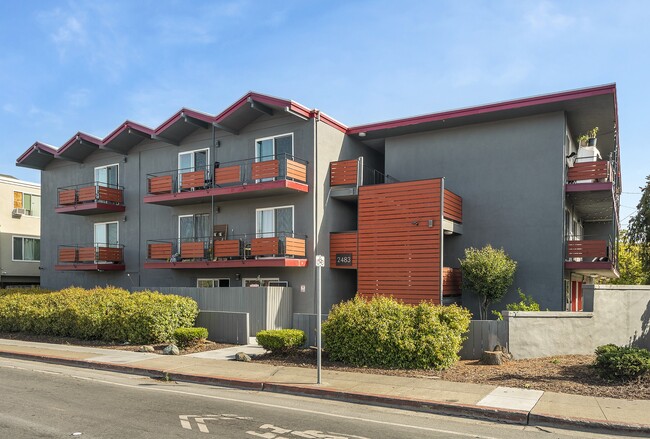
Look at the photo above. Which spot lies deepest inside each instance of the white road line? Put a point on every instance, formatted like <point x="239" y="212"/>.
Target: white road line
<point x="275" y="406"/>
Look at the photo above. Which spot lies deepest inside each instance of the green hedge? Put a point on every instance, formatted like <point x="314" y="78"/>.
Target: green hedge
<point x="188" y="336"/>
<point x="280" y="340"/>
<point x="621" y="362"/>
<point x="110" y="313"/>
<point x="385" y="333"/>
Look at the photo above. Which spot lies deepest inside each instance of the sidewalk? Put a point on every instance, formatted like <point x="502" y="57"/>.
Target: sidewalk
<point x="518" y="406"/>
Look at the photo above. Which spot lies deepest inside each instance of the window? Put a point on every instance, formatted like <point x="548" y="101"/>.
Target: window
<point x="260" y="281"/>
<point x="30" y="202"/>
<point x="26" y="249"/>
<point x="107" y="176"/>
<point x="213" y="283"/>
<point x="107" y="234"/>
<point x="192" y="161"/>
<point x="275" y="148"/>
<point x="275" y="221"/>
<point x="194" y="228"/>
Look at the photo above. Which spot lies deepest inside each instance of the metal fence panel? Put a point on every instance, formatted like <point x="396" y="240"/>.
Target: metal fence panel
<point x="484" y="335"/>
<point x="225" y="327"/>
<point x="307" y="324"/>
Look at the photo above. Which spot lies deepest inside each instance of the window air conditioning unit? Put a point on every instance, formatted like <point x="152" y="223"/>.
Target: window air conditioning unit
<point x="18" y="212"/>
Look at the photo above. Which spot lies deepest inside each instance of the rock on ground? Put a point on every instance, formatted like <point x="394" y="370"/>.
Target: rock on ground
<point x="171" y="350"/>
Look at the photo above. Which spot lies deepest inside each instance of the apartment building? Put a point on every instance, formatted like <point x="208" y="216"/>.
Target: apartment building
<point x="248" y="198"/>
<point x="20" y="226"/>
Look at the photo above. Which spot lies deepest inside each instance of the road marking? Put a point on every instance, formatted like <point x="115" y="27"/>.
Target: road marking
<point x="186" y="420"/>
<point x="275" y="406"/>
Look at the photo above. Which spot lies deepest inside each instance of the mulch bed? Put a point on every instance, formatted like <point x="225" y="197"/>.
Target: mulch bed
<point x="199" y="347"/>
<point x="563" y="374"/>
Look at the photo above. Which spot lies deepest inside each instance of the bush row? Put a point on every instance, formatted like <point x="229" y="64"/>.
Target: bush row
<point x="111" y="314"/>
<point x="621" y="362"/>
<point x="385" y="333"/>
<point x="185" y="337"/>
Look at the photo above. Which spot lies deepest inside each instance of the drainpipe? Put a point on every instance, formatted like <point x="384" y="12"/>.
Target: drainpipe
<point x="316" y="200"/>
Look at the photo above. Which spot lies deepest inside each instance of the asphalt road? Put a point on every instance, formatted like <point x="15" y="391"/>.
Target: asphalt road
<point x="40" y="400"/>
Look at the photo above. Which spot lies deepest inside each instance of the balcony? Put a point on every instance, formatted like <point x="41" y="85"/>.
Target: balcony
<point x="279" y="175"/>
<point x="90" y="257"/>
<point x="593" y="188"/>
<point x="90" y="198"/>
<point x="591" y="257"/>
<point x="346" y="176"/>
<point x="251" y="250"/>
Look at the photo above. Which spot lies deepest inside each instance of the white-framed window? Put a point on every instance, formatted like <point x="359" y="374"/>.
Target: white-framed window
<point x="192" y="228"/>
<point x="107" y="234"/>
<point x="275" y="148"/>
<point x="274" y="221"/>
<point x="26" y="248"/>
<point x="31" y="203"/>
<point x="222" y="282"/>
<point x="108" y="176"/>
<point x="191" y="161"/>
<point x="259" y="281"/>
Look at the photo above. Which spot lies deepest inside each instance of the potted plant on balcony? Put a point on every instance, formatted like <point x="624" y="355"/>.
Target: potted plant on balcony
<point x="589" y="138"/>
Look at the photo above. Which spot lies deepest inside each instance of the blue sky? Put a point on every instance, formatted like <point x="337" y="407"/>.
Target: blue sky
<point x="87" y="66"/>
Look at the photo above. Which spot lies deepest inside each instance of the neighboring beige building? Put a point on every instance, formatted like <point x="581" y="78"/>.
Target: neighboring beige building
<point x="20" y="232"/>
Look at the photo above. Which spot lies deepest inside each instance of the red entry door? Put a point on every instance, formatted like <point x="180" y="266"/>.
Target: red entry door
<point x="576" y="295"/>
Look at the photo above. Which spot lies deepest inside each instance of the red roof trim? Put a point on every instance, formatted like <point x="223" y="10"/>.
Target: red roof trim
<point x="74" y="139"/>
<point x="125" y="126"/>
<point x="331" y="122"/>
<point x="489" y="108"/>
<point x="177" y="116"/>
<point x="38" y="146"/>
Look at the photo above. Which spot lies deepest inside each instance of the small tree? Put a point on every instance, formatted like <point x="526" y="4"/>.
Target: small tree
<point x="488" y="272"/>
<point x="629" y="265"/>
<point x="638" y="231"/>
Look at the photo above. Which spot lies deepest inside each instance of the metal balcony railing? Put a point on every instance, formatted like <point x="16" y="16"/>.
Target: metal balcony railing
<point x="354" y="172"/>
<point x="591" y="248"/>
<point x="234" y="173"/>
<point x="92" y="253"/>
<point x="90" y="193"/>
<point x="244" y="246"/>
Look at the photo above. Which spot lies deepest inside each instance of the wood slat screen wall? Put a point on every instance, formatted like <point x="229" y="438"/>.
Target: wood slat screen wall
<point x="161" y="251"/>
<point x="451" y="282"/>
<point x="344" y="172"/>
<point x="453" y="207"/>
<point x="192" y="250"/>
<point x="191" y="180"/>
<point x="296" y="171"/>
<point x="294" y="246"/>
<point x="160" y="185"/>
<point x="267" y="169"/>
<point x="589" y="171"/>
<point x="343" y="242"/>
<point x="229" y="174"/>
<point x="587" y="249"/>
<point x="265" y="246"/>
<point x="68" y="196"/>
<point x="86" y="194"/>
<point x="112" y="195"/>
<point x="226" y="248"/>
<point x="399" y="253"/>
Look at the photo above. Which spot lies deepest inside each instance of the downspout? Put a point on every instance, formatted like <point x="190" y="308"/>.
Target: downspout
<point x="442" y="237"/>
<point x="316" y="201"/>
<point x="211" y="170"/>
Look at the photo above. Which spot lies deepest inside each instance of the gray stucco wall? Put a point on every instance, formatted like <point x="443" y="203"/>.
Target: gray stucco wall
<point x="618" y="314"/>
<point x="510" y="175"/>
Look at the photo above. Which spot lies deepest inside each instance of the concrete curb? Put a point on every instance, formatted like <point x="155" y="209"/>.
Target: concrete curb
<point x="444" y="408"/>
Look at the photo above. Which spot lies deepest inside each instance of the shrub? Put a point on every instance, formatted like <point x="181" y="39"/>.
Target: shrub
<point x="526" y="303"/>
<point x="110" y="313"/>
<point x="281" y="340"/>
<point x="621" y="362"/>
<point x="189" y="336"/>
<point x="488" y="272"/>
<point x="385" y="333"/>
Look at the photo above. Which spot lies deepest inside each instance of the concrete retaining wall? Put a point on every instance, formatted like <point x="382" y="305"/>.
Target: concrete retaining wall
<point x="225" y="327"/>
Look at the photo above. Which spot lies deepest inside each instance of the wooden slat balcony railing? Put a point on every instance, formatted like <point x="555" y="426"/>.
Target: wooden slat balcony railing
<point x="344" y="172"/>
<point x="587" y="249"/>
<point x="453" y="207"/>
<point x="91" y="257"/>
<point x="277" y="174"/>
<point x="90" y="198"/>
<point x="588" y="172"/>
<point x="215" y="253"/>
<point x="451" y="282"/>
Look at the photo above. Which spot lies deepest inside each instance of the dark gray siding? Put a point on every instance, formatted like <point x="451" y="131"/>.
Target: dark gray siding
<point x="510" y="176"/>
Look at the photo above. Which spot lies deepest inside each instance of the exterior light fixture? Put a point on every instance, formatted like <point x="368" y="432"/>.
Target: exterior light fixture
<point x="362" y="134"/>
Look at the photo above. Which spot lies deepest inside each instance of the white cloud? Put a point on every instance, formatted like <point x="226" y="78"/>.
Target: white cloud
<point x="545" y="17"/>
